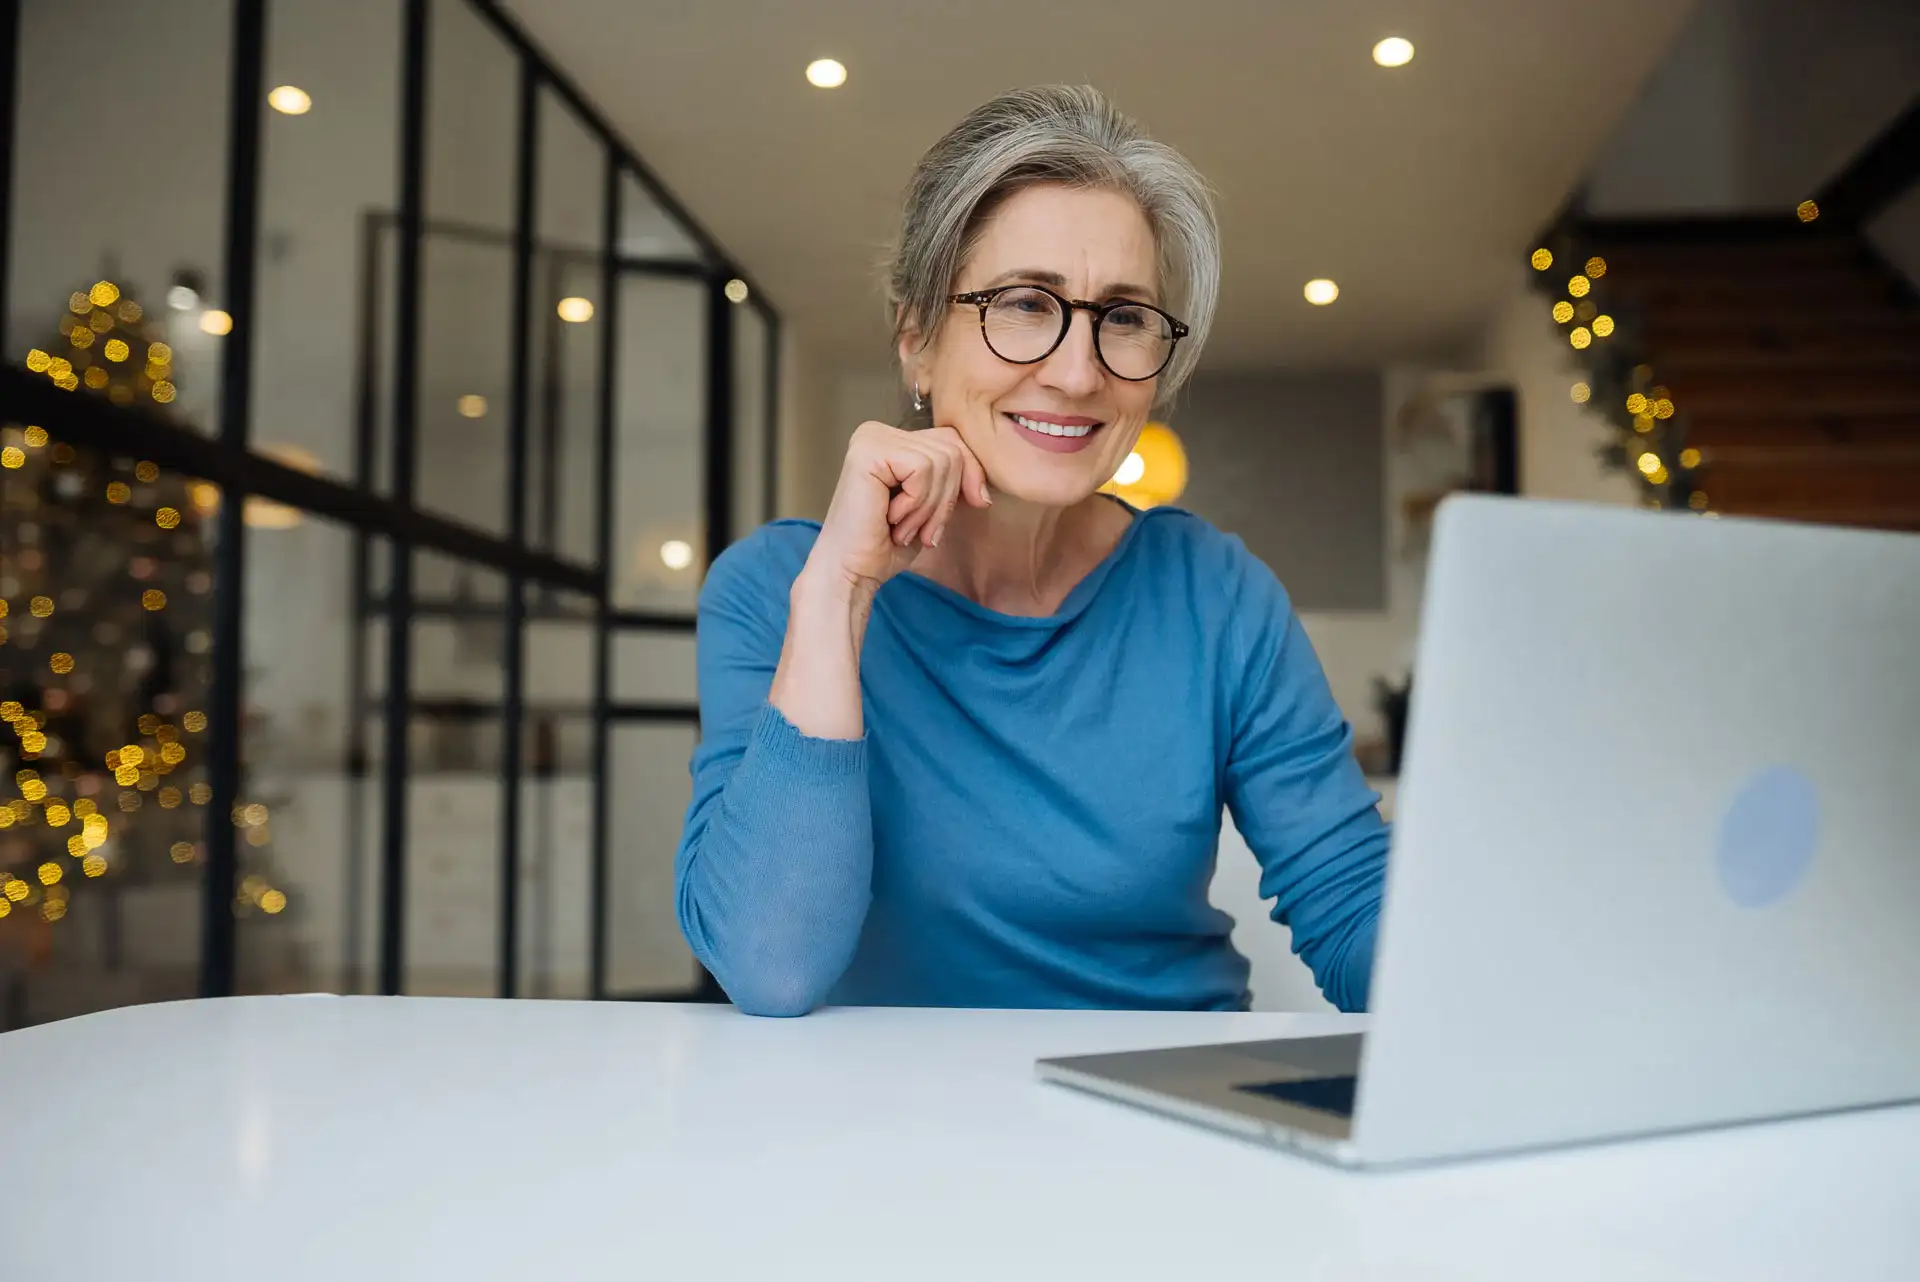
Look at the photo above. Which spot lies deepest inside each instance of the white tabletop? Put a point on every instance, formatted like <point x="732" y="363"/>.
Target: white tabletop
<point x="367" y="1138"/>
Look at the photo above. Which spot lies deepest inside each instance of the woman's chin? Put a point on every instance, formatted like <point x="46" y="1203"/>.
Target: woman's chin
<point x="1046" y="490"/>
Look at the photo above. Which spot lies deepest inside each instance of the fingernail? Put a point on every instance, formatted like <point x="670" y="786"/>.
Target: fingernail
<point x="986" y="494"/>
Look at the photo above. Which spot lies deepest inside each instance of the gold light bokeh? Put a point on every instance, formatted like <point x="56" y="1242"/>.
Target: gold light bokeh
<point x="1163" y="471"/>
<point x="1580" y="337"/>
<point x="1578" y="286"/>
<point x="1636" y="404"/>
<point x="1596" y="267"/>
<point x="1602" y="326"/>
<point x="1689" y="458"/>
<point x="1563" y="311"/>
<point x="1581" y="393"/>
<point x="1541" y="259"/>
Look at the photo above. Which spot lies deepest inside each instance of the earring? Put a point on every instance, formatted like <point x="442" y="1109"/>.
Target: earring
<point x="919" y="403"/>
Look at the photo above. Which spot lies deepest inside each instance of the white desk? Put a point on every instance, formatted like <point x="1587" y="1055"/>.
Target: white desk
<point x="360" y="1138"/>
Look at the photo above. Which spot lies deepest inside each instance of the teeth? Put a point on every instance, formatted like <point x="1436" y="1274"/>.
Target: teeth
<point x="1050" y="429"/>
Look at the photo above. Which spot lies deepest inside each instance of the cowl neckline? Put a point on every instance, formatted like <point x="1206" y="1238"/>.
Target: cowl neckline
<point x="1076" y="602"/>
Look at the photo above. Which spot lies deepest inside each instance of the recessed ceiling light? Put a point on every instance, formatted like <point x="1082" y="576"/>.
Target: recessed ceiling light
<point x="290" y="100"/>
<point x="736" y="290"/>
<point x="216" y="322"/>
<point x="1394" y="51"/>
<point x="575" y="310"/>
<point x="676" y="554"/>
<point x="1321" y="291"/>
<point x="473" y="405"/>
<point x="825" y="73"/>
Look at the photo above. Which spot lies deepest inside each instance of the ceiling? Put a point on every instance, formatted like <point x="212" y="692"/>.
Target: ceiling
<point x="1417" y="189"/>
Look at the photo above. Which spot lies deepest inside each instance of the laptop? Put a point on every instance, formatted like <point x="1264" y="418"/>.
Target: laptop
<point x="1656" y="864"/>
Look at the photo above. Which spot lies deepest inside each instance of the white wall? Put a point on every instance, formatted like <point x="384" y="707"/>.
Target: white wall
<point x="1558" y="438"/>
<point x="1896" y="234"/>
<point x="1759" y="103"/>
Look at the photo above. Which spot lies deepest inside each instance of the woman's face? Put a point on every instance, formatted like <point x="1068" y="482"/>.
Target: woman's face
<point x="1092" y="245"/>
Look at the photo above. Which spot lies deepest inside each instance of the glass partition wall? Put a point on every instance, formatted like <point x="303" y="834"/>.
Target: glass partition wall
<point x="370" y="415"/>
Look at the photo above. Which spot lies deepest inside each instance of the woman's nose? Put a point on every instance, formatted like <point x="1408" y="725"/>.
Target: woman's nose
<point x="1075" y="366"/>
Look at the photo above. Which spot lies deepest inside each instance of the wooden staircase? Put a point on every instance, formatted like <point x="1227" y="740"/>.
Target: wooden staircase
<point x="1790" y="355"/>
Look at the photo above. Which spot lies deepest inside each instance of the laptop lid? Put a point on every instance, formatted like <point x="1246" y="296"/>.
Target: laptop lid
<point x="1657" y="857"/>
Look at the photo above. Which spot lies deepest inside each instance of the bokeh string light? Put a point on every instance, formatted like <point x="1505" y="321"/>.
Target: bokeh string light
<point x="1616" y="381"/>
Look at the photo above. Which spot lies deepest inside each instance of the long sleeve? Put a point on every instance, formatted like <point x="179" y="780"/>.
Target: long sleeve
<point x="774" y="871"/>
<point x="1298" y="795"/>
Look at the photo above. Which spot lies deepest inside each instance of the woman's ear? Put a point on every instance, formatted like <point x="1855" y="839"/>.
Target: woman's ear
<point x="912" y="358"/>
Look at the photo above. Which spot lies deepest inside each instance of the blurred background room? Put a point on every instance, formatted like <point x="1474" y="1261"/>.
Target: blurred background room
<point x="381" y="375"/>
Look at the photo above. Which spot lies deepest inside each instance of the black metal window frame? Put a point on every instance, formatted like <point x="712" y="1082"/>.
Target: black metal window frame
<point x="395" y="515"/>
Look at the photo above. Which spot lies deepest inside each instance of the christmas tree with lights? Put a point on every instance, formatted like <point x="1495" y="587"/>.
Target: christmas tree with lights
<point x="105" y="635"/>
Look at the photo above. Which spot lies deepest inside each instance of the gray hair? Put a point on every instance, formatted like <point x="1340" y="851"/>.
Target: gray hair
<point x="1065" y="134"/>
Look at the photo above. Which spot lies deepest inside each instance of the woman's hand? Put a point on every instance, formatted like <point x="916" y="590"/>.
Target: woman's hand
<point x="897" y="491"/>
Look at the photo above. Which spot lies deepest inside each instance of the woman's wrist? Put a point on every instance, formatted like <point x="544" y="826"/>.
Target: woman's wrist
<point x="825" y="588"/>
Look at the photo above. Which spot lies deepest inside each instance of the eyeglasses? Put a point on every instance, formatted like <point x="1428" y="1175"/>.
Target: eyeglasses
<point x="1024" y="324"/>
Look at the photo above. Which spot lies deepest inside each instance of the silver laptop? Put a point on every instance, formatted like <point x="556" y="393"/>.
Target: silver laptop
<point x="1657" y="857"/>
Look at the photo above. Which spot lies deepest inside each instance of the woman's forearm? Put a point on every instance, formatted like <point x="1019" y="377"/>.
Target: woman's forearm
<point x="817" y="684"/>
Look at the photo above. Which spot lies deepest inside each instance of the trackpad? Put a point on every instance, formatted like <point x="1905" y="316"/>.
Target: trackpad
<point x="1323" y="1094"/>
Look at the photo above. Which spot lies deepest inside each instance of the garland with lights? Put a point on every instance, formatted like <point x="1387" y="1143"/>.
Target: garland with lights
<point x="1617" y="380"/>
<point x="105" y="605"/>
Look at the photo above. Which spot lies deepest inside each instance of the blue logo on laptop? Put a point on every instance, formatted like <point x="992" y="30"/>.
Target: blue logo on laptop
<point x="1768" y="836"/>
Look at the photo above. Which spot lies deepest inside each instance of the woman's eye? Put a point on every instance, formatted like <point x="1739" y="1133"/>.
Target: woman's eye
<point x="1127" y="318"/>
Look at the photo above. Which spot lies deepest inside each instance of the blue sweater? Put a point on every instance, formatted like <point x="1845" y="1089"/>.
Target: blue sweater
<point x="1032" y="818"/>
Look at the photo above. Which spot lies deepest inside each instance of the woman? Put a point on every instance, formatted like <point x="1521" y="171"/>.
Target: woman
<point x="966" y="742"/>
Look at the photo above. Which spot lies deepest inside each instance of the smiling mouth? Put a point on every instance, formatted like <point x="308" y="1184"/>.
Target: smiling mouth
<point x="1071" y="430"/>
